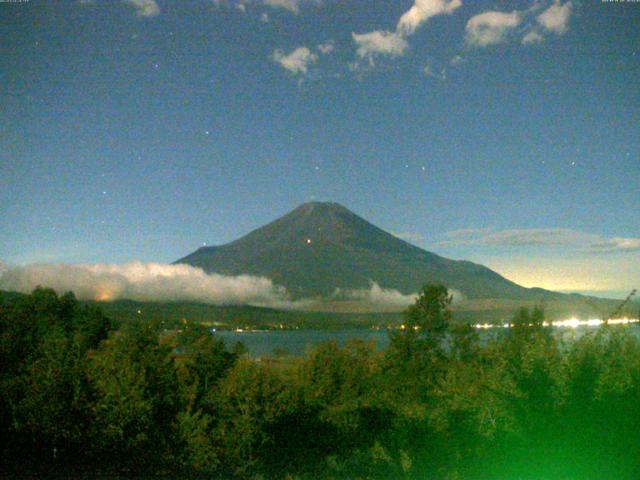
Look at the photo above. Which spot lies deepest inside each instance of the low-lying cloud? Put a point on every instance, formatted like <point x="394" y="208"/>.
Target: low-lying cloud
<point x="161" y="282"/>
<point x="148" y="282"/>
<point x="377" y="296"/>
<point x="385" y="298"/>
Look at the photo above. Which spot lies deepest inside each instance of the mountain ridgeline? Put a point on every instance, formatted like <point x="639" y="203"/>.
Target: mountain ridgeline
<point x="320" y="247"/>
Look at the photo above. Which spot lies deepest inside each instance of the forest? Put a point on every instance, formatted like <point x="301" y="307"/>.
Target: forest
<point x="85" y="395"/>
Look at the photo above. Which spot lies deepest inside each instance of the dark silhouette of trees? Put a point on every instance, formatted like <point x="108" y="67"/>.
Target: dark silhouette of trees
<point x="81" y="398"/>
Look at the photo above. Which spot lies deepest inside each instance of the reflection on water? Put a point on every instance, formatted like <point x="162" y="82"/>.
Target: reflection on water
<point x="295" y="342"/>
<point x="569" y="323"/>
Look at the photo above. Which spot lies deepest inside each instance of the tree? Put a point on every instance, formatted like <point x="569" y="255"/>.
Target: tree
<point x="426" y="323"/>
<point x="416" y="355"/>
<point x="136" y="401"/>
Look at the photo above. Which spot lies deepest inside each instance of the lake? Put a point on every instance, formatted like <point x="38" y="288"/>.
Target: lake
<point x="263" y="343"/>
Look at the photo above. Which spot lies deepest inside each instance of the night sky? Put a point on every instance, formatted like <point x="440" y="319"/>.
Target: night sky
<point x="506" y="133"/>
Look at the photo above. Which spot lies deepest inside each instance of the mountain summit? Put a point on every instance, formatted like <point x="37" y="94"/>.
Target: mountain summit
<point x="320" y="247"/>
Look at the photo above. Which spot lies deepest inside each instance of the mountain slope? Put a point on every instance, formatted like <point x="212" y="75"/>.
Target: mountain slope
<point x="319" y="247"/>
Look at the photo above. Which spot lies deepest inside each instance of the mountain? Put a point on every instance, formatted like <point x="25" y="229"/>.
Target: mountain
<point x="320" y="247"/>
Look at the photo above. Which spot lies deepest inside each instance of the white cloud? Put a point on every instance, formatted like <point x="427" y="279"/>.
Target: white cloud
<point x="264" y="17"/>
<point x="386" y="298"/>
<point x="490" y="28"/>
<point x="376" y="296"/>
<point x="423" y="10"/>
<point x="379" y="43"/>
<point x="393" y="44"/>
<point x="578" y="240"/>
<point x="457" y="60"/>
<point x="145" y="8"/>
<point x="616" y="244"/>
<point x="556" y="18"/>
<point x="532" y="37"/>
<point x="430" y="72"/>
<point x="296" y="62"/>
<point x="292" y="5"/>
<point x="326" y="47"/>
<point x="148" y="282"/>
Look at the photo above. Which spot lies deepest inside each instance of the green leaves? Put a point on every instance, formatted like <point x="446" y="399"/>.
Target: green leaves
<point x="143" y="400"/>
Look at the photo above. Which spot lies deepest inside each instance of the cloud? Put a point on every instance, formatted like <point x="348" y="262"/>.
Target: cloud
<point x="581" y="241"/>
<point x="292" y="5"/>
<point x="378" y="297"/>
<point x="457" y="60"/>
<point x="423" y="10"/>
<point x="532" y="37"/>
<point x="429" y="72"/>
<point x="297" y="62"/>
<point x="465" y="232"/>
<point x="491" y="28"/>
<point x="393" y="44"/>
<point x="327" y="47"/>
<point x="386" y="298"/>
<point x="379" y="43"/>
<point x="145" y="8"/>
<point x="615" y="245"/>
<point x="148" y="282"/>
<point x="556" y="18"/>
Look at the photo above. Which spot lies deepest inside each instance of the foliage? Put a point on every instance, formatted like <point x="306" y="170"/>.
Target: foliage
<point x="81" y="398"/>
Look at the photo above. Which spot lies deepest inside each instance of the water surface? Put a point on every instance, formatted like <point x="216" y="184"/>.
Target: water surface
<point x="296" y="342"/>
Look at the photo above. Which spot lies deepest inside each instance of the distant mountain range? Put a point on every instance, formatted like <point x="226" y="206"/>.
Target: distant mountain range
<point x="320" y="247"/>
